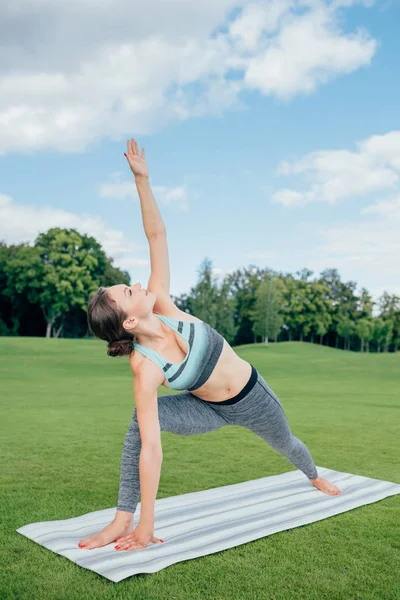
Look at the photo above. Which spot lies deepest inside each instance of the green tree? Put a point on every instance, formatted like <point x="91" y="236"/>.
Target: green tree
<point x="345" y="328"/>
<point x="302" y="302"/>
<point x="364" y="329"/>
<point x="59" y="273"/>
<point x="365" y="303"/>
<point x="379" y="332"/>
<point x="343" y="299"/>
<point x="387" y="333"/>
<point x="389" y="306"/>
<point x="319" y="308"/>
<point x="225" y="308"/>
<point x="288" y="312"/>
<point x="67" y="275"/>
<point x="212" y="302"/>
<point x="204" y="294"/>
<point x="21" y="275"/>
<point x="266" y="318"/>
<point x="396" y="341"/>
<point x="293" y="306"/>
<point x="243" y="287"/>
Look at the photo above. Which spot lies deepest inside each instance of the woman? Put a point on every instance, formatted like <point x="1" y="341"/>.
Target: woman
<point x="169" y="347"/>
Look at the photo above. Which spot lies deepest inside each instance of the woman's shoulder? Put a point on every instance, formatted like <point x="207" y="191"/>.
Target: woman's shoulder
<point x="137" y="360"/>
<point x="179" y="315"/>
<point x="145" y="368"/>
<point x="165" y="307"/>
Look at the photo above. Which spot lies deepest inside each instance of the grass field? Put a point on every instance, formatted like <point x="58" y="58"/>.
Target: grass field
<point x="66" y="407"/>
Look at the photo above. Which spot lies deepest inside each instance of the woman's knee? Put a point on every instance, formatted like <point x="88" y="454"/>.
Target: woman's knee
<point x="184" y="414"/>
<point x="168" y="418"/>
<point x="174" y="421"/>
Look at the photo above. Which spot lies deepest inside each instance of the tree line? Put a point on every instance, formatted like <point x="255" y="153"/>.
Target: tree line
<point x="45" y="288"/>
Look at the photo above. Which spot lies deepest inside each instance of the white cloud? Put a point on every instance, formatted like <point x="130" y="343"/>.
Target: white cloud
<point x="256" y="19"/>
<point x="24" y="222"/>
<point x="73" y="72"/>
<point x="118" y="190"/>
<point x="333" y="175"/>
<point x="177" y="197"/>
<point x="309" y="50"/>
<point x="369" y="248"/>
<point x="289" y="198"/>
<point x="387" y="208"/>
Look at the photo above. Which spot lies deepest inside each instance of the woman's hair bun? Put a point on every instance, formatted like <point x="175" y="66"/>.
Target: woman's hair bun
<point x="120" y="347"/>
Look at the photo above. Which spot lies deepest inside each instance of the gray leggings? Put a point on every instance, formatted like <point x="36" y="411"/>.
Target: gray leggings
<point x="185" y="414"/>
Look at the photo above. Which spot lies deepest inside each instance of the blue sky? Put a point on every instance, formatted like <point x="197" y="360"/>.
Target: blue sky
<point x="271" y="131"/>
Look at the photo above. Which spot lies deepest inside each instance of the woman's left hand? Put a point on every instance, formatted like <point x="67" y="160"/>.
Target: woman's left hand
<point x="138" y="539"/>
<point x="136" y="162"/>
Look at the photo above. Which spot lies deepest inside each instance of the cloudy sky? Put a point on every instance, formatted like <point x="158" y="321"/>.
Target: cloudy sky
<point x="271" y="130"/>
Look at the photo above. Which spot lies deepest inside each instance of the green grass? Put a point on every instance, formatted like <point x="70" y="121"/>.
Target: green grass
<point x="66" y="407"/>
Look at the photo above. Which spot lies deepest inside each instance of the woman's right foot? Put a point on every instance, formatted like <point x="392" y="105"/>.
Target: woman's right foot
<point x="326" y="486"/>
<point x="109" y="534"/>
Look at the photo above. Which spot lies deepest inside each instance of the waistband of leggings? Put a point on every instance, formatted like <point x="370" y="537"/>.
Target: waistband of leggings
<point x="249" y="386"/>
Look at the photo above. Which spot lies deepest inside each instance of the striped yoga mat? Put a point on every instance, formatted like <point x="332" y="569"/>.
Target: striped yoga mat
<point x="201" y="523"/>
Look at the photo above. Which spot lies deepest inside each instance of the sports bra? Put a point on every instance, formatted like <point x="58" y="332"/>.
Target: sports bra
<point x="204" y="348"/>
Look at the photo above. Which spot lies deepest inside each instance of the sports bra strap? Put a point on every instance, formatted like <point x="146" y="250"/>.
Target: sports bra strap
<point x="152" y="354"/>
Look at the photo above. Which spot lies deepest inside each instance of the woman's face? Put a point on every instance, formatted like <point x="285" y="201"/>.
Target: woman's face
<point x="134" y="300"/>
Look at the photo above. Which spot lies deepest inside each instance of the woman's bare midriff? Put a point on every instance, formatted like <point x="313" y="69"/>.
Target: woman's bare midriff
<point x="230" y="375"/>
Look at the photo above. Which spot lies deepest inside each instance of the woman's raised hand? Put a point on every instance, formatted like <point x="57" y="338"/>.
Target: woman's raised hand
<point x="136" y="161"/>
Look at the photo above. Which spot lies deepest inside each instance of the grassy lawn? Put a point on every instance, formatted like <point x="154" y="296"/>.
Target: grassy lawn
<point x="66" y="407"/>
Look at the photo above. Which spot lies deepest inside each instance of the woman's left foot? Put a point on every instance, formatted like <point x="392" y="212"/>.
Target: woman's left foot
<point x="326" y="486"/>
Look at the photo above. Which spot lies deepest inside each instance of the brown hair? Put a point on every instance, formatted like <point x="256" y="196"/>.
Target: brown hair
<point x="105" y="320"/>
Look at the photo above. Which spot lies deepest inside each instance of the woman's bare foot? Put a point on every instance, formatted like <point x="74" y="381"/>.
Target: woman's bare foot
<point x="109" y="534"/>
<point x="326" y="486"/>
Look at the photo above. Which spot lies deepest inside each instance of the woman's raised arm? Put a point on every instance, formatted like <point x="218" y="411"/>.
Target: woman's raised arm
<point x="152" y="220"/>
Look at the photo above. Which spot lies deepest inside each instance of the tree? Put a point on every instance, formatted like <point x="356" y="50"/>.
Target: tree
<point x="58" y="273"/>
<point x="365" y="303"/>
<point x="396" y="341"/>
<point x="343" y="301"/>
<point x="21" y="274"/>
<point x="266" y="318"/>
<point x="292" y="305"/>
<point x="345" y="328"/>
<point x="307" y="306"/>
<point x="387" y="333"/>
<point x="204" y="294"/>
<point x="390" y="311"/>
<point x="211" y="303"/>
<point x="302" y="302"/>
<point x="67" y="274"/>
<point x="319" y="308"/>
<point x="225" y="308"/>
<point x="378" y="332"/>
<point x="243" y="288"/>
<point x="364" y="330"/>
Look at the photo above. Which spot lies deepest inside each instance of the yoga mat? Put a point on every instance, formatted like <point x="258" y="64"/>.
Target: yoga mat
<point x="201" y="523"/>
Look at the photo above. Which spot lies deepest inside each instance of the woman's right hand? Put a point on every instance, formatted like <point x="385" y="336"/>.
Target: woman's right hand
<point x="136" y="162"/>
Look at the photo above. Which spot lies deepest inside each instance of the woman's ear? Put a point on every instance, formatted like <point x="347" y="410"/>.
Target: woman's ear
<point x="130" y="324"/>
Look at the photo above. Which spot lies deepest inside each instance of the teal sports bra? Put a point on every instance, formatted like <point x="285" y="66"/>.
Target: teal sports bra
<point x="204" y="348"/>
